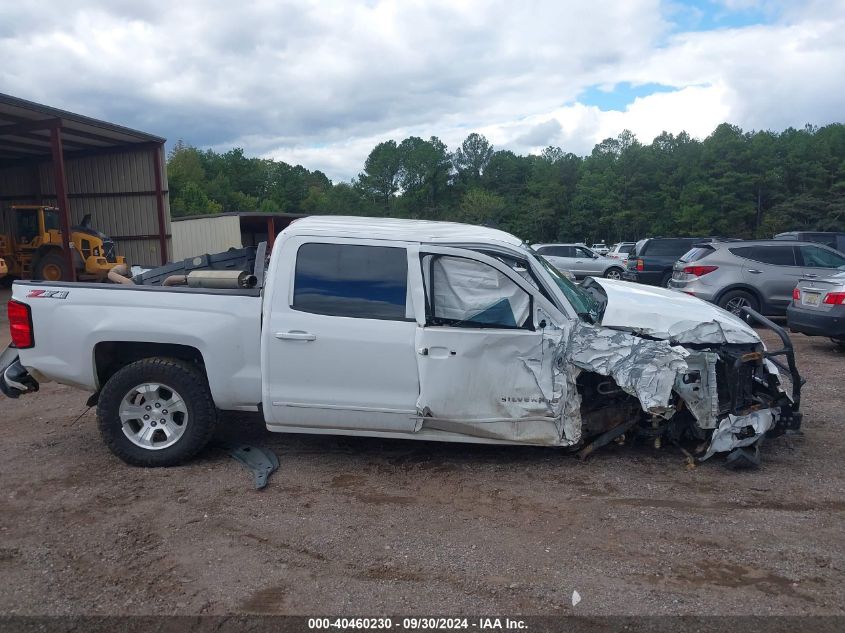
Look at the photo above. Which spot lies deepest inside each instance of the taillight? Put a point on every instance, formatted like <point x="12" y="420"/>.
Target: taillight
<point x="20" y="325"/>
<point x="834" y="298"/>
<point x="796" y="294"/>
<point x="698" y="271"/>
<point x="640" y="264"/>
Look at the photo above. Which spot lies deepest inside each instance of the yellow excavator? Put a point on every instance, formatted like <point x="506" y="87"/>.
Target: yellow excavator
<point x="33" y="246"/>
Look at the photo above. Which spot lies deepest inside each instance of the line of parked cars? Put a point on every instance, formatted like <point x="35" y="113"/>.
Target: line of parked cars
<point x="797" y="274"/>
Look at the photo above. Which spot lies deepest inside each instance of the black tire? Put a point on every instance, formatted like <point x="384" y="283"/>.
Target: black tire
<point x="180" y="376"/>
<point x="664" y="282"/>
<point x="613" y="272"/>
<point x="50" y="267"/>
<point x="733" y="300"/>
<point x="840" y="342"/>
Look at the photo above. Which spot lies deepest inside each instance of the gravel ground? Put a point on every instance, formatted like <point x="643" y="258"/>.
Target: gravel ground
<point x="360" y="526"/>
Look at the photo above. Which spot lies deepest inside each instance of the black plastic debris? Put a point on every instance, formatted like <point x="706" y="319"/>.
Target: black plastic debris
<point x="261" y="461"/>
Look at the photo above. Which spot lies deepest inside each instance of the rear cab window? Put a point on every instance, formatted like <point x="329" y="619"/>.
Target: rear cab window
<point x="347" y="280"/>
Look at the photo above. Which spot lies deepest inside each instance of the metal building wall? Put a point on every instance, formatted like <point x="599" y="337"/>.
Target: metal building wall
<point x="198" y="236"/>
<point x="117" y="189"/>
<point x="17" y="185"/>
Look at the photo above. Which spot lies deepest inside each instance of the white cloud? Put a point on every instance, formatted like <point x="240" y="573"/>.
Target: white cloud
<point x="321" y="83"/>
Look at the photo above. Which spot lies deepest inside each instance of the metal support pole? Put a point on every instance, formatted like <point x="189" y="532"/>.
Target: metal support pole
<point x="271" y="232"/>
<point x="62" y="200"/>
<point x="162" y="233"/>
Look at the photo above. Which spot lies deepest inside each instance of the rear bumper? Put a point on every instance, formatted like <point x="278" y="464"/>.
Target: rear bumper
<point x="642" y="277"/>
<point x="817" y="323"/>
<point x="14" y="379"/>
<point x="694" y="289"/>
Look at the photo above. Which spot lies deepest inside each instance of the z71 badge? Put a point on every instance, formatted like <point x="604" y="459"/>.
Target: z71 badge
<point x="48" y="294"/>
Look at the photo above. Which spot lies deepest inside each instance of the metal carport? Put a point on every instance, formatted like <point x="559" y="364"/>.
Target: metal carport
<point x="83" y="165"/>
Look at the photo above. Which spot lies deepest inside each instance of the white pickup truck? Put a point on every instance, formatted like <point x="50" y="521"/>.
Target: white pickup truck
<point x="403" y="329"/>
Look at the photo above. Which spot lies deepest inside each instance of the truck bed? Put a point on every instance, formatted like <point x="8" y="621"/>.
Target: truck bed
<point x="70" y="320"/>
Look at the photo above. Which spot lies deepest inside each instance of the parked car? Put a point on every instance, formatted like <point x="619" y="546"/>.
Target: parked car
<point x="758" y="274"/>
<point x="651" y="260"/>
<point x="580" y="261"/>
<point x="621" y="250"/>
<point x="600" y="248"/>
<point x="833" y="239"/>
<point x="818" y="308"/>
<point x="401" y="329"/>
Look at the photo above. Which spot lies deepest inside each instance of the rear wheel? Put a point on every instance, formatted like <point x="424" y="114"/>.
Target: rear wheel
<point x="734" y="300"/>
<point x="613" y="273"/>
<point x="51" y="267"/>
<point x="664" y="282"/>
<point x="156" y="412"/>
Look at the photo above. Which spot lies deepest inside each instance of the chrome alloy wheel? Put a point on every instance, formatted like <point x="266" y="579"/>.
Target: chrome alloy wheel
<point x="736" y="304"/>
<point x="153" y="416"/>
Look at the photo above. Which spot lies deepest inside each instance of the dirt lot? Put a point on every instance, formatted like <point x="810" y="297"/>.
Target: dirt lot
<point x="357" y="526"/>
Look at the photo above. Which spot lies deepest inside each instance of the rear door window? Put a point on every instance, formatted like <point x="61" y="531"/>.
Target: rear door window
<point x="774" y="255"/>
<point x="366" y="282"/>
<point x="556" y="251"/>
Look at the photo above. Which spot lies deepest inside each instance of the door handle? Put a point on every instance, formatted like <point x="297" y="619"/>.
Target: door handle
<point x="296" y="335"/>
<point x="755" y="271"/>
<point x="811" y="276"/>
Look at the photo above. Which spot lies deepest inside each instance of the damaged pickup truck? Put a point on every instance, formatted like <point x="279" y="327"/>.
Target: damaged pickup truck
<point x="403" y="329"/>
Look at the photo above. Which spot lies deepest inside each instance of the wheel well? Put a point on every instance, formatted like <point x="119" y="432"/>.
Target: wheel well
<point x="761" y="303"/>
<point x="111" y="356"/>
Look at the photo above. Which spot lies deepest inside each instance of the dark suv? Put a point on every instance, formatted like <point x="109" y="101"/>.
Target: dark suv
<point x="651" y="260"/>
<point x="830" y="238"/>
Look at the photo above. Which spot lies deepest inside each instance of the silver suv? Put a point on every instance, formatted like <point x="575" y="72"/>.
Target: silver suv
<point x="759" y="274"/>
<point x="580" y="260"/>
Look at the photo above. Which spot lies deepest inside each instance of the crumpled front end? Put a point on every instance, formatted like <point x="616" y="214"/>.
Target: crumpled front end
<point x="713" y="395"/>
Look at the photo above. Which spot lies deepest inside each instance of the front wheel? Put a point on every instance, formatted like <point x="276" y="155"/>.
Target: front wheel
<point x="613" y="273"/>
<point x="156" y="412"/>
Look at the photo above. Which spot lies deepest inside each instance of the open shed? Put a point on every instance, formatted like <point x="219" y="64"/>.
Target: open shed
<point x="199" y="234"/>
<point x="82" y="165"/>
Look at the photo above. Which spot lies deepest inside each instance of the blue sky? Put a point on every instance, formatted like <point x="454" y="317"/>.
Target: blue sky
<point x="320" y="83"/>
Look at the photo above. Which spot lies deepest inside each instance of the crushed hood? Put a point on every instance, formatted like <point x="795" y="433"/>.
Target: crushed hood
<point x="670" y="315"/>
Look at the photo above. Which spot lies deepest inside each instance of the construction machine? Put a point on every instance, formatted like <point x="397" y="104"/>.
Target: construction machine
<point x="33" y="246"/>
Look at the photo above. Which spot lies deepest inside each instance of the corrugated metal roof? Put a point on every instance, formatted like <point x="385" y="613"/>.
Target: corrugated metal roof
<point x="20" y="136"/>
<point x="242" y="214"/>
